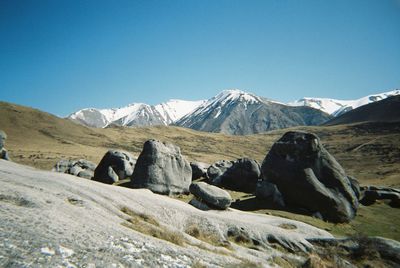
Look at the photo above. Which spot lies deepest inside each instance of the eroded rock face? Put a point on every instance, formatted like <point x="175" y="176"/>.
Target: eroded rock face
<point x="268" y="192"/>
<point x="199" y="170"/>
<point x="211" y="195"/>
<point x="310" y="178"/>
<point x="216" y="170"/>
<point x="239" y="175"/>
<point x="242" y="175"/>
<point x="162" y="168"/>
<point x="80" y="168"/>
<point x="114" y="166"/>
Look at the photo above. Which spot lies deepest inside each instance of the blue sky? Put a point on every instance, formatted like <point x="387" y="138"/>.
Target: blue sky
<point x="60" y="56"/>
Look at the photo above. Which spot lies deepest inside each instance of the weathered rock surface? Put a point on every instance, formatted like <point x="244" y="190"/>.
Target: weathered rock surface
<point x="80" y="168"/>
<point x="268" y="192"/>
<point x="211" y="195"/>
<point x="215" y="171"/>
<point x="162" y="168"/>
<point x="242" y="175"/>
<point x="199" y="170"/>
<point x="309" y="177"/>
<point x="114" y="166"/>
<point x="372" y="193"/>
<point x="47" y="220"/>
<point x="239" y="175"/>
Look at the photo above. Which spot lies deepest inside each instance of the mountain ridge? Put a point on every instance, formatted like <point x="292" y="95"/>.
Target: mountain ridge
<point x="231" y="111"/>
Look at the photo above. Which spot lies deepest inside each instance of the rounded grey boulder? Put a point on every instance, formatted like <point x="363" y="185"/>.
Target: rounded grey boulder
<point x="216" y="170"/>
<point x="81" y="168"/>
<point x="242" y="175"/>
<point x="114" y="166"/>
<point x="211" y="195"/>
<point x="308" y="177"/>
<point x="162" y="168"/>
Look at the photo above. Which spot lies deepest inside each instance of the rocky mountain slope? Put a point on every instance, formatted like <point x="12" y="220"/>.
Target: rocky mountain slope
<point x="386" y="110"/>
<point x="337" y="107"/>
<point x="135" y="114"/>
<point x="240" y="113"/>
<point x="53" y="219"/>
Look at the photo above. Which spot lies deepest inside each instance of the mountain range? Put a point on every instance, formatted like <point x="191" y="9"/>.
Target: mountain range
<point x="231" y="112"/>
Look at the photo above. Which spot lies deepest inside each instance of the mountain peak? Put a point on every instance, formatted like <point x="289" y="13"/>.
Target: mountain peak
<point x="236" y="95"/>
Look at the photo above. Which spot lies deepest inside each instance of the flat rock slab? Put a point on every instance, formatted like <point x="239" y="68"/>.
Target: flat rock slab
<point x="51" y="219"/>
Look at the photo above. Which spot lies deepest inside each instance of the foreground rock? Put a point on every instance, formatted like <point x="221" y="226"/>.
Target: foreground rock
<point x="114" y="166"/>
<point x="373" y="193"/>
<point x="199" y="170"/>
<point x="162" y="169"/>
<point x="308" y="177"/>
<point x="69" y="222"/>
<point x="80" y="168"/>
<point x="3" y="151"/>
<point x="212" y="196"/>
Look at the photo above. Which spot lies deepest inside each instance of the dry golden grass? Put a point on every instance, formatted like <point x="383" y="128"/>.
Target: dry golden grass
<point x="371" y="153"/>
<point x="147" y="225"/>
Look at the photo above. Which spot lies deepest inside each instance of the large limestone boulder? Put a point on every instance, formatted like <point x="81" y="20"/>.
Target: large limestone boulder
<point x="216" y="170"/>
<point x="242" y="175"/>
<point x="308" y="177"/>
<point x="80" y="168"/>
<point x="212" y="196"/>
<point x="268" y="192"/>
<point x="239" y="175"/>
<point x="114" y="166"/>
<point x="162" y="168"/>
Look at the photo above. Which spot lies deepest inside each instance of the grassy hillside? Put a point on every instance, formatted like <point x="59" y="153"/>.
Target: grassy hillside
<point x="370" y="152"/>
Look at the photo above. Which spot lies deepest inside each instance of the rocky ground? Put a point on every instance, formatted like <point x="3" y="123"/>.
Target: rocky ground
<point x="51" y="219"/>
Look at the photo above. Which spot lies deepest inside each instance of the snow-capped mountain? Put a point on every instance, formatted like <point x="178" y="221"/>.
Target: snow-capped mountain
<point x="136" y="114"/>
<point x="238" y="112"/>
<point x="337" y="107"/>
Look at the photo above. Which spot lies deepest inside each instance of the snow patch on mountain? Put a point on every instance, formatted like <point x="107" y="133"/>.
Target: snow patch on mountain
<point x="337" y="107"/>
<point x="136" y="114"/>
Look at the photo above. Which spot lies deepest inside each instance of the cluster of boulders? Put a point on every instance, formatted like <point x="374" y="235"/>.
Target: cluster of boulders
<point x="297" y="173"/>
<point x="370" y="194"/>
<point x="80" y="168"/>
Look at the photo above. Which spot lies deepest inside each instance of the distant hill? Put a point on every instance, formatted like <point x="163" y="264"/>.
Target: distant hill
<point x="386" y="110"/>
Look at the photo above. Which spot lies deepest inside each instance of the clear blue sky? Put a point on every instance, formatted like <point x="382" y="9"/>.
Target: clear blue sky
<point x="63" y="55"/>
